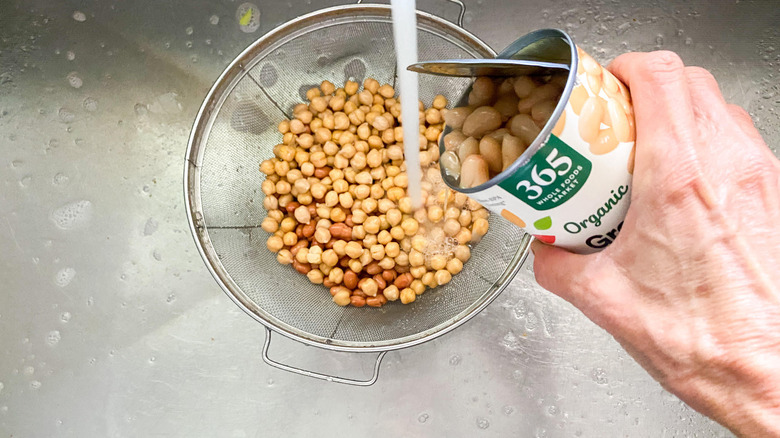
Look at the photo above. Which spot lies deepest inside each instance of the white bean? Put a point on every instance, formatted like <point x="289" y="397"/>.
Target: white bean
<point x="511" y="149"/>
<point x="490" y="150"/>
<point x="474" y="172"/>
<point x="482" y="121"/>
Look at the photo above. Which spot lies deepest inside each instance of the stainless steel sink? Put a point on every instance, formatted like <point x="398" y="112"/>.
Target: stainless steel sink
<point x="110" y="324"/>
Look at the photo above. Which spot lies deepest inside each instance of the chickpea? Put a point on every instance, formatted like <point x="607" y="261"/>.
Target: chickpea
<point x="358" y="161"/>
<point x="407" y="295"/>
<point x="372" y="225"/>
<point x="392" y="249"/>
<point x="369" y="286"/>
<point x="462" y="253"/>
<point x="323" y="212"/>
<point x="391" y="292"/>
<point x="418" y="271"/>
<point x="397" y="232"/>
<point x="269" y="225"/>
<point x="337" y="215"/>
<point x="353" y="250"/>
<point x="479" y="228"/>
<point x="417" y="286"/>
<point x="402" y="259"/>
<point x="322" y="235"/>
<point x="302" y="214"/>
<point x="387" y="263"/>
<point x="284" y="200"/>
<point x="443" y="276"/>
<point x="374" y="158"/>
<point x="439" y="102"/>
<point x="410" y="226"/>
<point x="276" y="215"/>
<point x="302" y="255"/>
<point x="315" y="276"/>
<point x="369" y="205"/>
<point x="395" y="193"/>
<point x="288" y="224"/>
<point x="377" y="251"/>
<point x="284" y="257"/>
<point x="377" y="192"/>
<point x="296" y="127"/>
<point x="416" y="258"/>
<point x="358" y="232"/>
<point x="274" y="243"/>
<point x="270" y="203"/>
<point x="438" y="262"/>
<point x="464" y="235"/>
<point x="465" y="218"/>
<point x="290" y="238"/>
<point x="314" y="256"/>
<point x="435" y="213"/>
<point x="345" y="199"/>
<point x="336" y="274"/>
<point x="339" y="247"/>
<point x="451" y="227"/>
<point x="342" y="297"/>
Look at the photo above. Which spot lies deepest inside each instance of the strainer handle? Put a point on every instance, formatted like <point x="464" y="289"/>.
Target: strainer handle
<point x="460" y="4"/>
<point x="317" y="375"/>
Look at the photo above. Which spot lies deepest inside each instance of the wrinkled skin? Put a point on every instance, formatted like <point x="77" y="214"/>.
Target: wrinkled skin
<point x="691" y="286"/>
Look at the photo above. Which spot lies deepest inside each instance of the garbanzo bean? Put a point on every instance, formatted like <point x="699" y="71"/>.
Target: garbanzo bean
<point x="443" y="277"/>
<point x="274" y="243"/>
<point x="284" y="257"/>
<point x="269" y="225"/>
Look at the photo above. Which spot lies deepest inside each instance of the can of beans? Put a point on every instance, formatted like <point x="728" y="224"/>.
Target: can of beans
<point x="570" y="185"/>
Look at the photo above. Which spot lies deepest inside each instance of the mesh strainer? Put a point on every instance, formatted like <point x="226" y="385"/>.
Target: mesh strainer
<point x="235" y="130"/>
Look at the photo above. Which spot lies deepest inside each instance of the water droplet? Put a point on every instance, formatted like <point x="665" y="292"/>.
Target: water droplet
<point x="482" y="423"/>
<point x="90" y="104"/>
<point x="53" y="338"/>
<point x="60" y="179"/>
<point x="171" y="298"/>
<point x="188" y="44"/>
<point x="65" y="317"/>
<point x="1" y="386"/>
<point x="74" y="80"/>
<point x="552" y="410"/>
<point x="35" y="384"/>
<point x="508" y="410"/>
<point x="423" y="417"/>
<point x="4" y="409"/>
<point x="248" y="17"/>
<point x="189" y="30"/>
<point x="66" y="115"/>
<point x="156" y="255"/>
<point x="150" y="227"/>
<point x="64" y="276"/>
<point x="79" y="16"/>
<point x="599" y="375"/>
<point x="72" y="215"/>
<point x="270" y="382"/>
<point x="25" y="181"/>
<point x="517" y="374"/>
<point x="455" y="360"/>
<point x="141" y="109"/>
<point x="90" y="301"/>
<point x="268" y="75"/>
<point x="70" y="55"/>
<point x="28" y="370"/>
<point x="92" y="360"/>
<point x="152" y="359"/>
<point x="214" y="19"/>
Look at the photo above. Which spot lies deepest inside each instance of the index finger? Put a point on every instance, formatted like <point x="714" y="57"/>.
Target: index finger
<point x="660" y="95"/>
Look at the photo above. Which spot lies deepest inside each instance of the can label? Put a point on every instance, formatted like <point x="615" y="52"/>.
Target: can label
<point x="575" y="190"/>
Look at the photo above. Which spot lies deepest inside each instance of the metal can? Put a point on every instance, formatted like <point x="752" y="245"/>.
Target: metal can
<point x="571" y="187"/>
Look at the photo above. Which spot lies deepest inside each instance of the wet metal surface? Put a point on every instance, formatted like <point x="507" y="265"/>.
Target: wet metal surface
<point x="110" y="324"/>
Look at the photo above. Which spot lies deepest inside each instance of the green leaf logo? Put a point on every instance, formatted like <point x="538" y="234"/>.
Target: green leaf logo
<point x="543" y="224"/>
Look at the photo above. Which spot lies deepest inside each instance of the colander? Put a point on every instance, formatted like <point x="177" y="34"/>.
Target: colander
<point x="235" y="130"/>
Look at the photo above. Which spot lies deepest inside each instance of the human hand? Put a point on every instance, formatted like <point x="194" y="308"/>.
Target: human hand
<point x="691" y="286"/>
